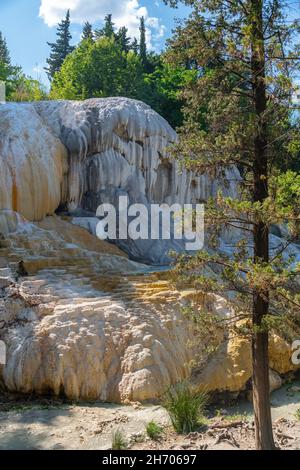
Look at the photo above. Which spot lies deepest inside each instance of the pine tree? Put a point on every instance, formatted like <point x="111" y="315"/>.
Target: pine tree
<point x="237" y="114"/>
<point x="135" y="46"/>
<point x="123" y="40"/>
<point x="8" y="73"/>
<point x="61" y="48"/>
<point x="143" y="44"/>
<point x="87" y="31"/>
<point x="108" y="30"/>
<point x="4" y="53"/>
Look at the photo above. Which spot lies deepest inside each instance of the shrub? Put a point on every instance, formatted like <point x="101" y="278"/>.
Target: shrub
<point x="185" y="407"/>
<point x="154" y="430"/>
<point x="297" y="414"/>
<point x="118" y="441"/>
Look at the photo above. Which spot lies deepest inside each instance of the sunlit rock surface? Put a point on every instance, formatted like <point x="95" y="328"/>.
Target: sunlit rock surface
<point x="77" y="316"/>
<point x="32" y="163"/>
<point x="77" y="155"/>
<point x="80" y="320"/>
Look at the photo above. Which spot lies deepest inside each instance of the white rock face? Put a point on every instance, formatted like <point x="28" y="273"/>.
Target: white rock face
<point x="32" y="163"/>
<point x="80" y="319"/>
<point x="86" y="322"/>
<point x="115" y="147"/>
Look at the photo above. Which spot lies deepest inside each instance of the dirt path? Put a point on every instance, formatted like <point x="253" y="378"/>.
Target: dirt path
<point x="52" y="424"/>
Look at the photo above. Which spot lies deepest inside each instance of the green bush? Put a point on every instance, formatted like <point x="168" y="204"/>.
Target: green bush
<point x="297" y="414"/>
<point x="154" y="430"/>
<point x="118" y="441"/>
<point x="185" y="407"/>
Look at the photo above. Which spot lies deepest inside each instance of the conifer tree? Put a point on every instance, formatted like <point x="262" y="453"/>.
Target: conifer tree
<point x="143" y="44"/>
<point x="61" y="48"/>
<point x="4" y="53"/>
<point x="87" y="31"/>
<point x="8" y="73"/>
<point x="123" y="40"/>
<point x="109" y="28"/>
<point x="135" y="46"/>
<point x="237" y="114"/>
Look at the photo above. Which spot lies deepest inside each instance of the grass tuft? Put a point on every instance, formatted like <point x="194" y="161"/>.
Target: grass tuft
<point x="154" y="430"/>
<point x="118" y="441"/>
<point x="185" y="407"/>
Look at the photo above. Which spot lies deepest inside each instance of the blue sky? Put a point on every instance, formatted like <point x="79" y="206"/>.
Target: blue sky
<point x="29" y="24"/>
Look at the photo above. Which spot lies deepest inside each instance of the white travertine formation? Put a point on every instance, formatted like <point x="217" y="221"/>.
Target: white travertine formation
<point x="32" y="163"/>
<point x="76" y="315"/>
<point x="85" y="321"/>
<point x="115" y="146"/>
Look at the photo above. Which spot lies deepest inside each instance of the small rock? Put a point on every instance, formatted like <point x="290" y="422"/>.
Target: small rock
<point x="275" y="380"/>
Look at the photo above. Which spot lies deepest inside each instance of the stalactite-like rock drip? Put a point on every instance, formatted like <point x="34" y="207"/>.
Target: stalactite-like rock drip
<point x="122" y="144"/>
<point x="33" y="163"/>
<point x="81" y="154"/>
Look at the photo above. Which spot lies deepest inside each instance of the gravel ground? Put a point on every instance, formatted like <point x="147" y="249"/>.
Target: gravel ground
<point x="40" y="423"/>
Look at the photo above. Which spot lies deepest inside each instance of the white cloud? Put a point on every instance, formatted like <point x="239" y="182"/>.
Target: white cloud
<point x="125" y="13"/>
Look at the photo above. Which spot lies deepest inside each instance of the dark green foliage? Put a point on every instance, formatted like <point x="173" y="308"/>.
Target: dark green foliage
<point x="143" y="44"/>
<point x="61" y="48"/>
<point x="123" y="40"/>
<point x="8" y="73"/>
<point x="87" y="32"/>
<point x="4" y="53"/>
<point x="162" y="91"/>
<point x="135" y="46"/>
<point x="154" y="431"/>
<point x="108" y="30"/>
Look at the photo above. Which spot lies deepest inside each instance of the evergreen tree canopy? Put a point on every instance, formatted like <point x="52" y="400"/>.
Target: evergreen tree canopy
<point x="8" y="73"/>
<point x="6" y="69"/>
<point x="135" y="46"/>
<point x="61" y="48"/>
<point x="143" y="44"/>
<point x="123" y="40"/>
<point x="87" y="31"/>
<point x="238" y="113"/>
<point x="109" y="28"/>
<point x="4" y="53"/>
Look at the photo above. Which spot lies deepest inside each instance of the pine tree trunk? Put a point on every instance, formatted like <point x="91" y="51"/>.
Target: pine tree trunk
<point x="264" y="439"/>
<point x="261" y="397"/>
